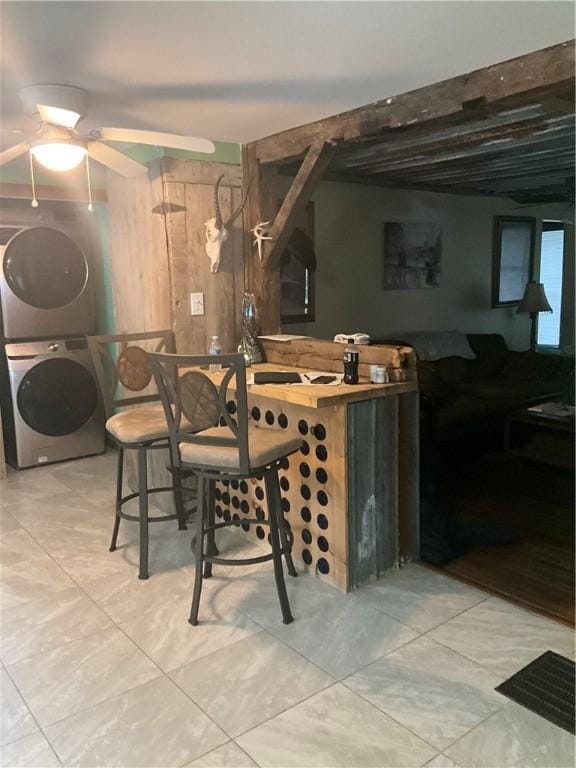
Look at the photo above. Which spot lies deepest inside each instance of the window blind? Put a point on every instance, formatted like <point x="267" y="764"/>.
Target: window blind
<point x="551" y="266"/>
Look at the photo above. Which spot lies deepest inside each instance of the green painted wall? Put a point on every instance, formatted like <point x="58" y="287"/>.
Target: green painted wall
<point x="18" y="171"/>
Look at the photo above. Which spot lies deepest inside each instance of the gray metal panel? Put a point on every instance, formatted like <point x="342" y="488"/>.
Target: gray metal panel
<point x="372" y="488"/>
<point x="409" y="456"/>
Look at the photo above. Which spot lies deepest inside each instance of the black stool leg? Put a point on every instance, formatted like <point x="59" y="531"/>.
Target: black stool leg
<point x="143" y="499"/>
<point x="211" y="549"/>
<point x="274" y="515"/>
<point x="179" y="497"/>
<point x="119" y="480"/>
<point x="199" y="554"/>
<point x="282" y="527"/>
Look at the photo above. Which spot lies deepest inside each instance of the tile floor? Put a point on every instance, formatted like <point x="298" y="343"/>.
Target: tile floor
<point x="101" y="669"/>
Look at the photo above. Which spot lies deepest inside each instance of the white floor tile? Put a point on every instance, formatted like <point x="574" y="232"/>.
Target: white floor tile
<point x="502" y="637"/>
<point x="441" y="761"/>
<point x="44" y="625"/>
<point x="30" y="752"/>
<point x="433" y="691"/>
<point x="166" y="636"/>
<point x="344" y="636"/>
<point x="29" y="580"/>
<point x="256" y="679"/>
<point x="15" y="718"/>
<point x="154" y="726"/>
<point x="254" y="593"/>
<point x="514" y="736"/>
<point x="228" y="756"/>
<point x="420" y="597"/>
<point x="8" y="522"/>
<point x="67" y="509"/>
<point x="80" y="674"/>
<point x="334" y="729"/>
<point x="126" y="598"/>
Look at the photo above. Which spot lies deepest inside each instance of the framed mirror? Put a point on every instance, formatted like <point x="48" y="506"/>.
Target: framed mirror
<point x="513" y="258"/>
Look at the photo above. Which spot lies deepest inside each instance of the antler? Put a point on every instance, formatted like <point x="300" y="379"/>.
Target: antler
<point x="234" y="215"/>
<point x="217" y="211"/>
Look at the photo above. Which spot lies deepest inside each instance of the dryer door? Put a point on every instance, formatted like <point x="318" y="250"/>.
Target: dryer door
<point x="57" y="397"/>
<point x="44" y="268"/>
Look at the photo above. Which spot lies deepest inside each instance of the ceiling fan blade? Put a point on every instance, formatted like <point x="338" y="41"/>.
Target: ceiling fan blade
<point x="157" y="139"/>
<point x="115" y="160"/>
<point x="13" y="152"/>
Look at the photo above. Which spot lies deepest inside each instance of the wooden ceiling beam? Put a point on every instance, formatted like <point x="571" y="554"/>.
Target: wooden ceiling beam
<point x="523" y="77"/>
<point x="446" y="164"/>
<point x="304" y="184"/>
<point x="534" y="145"/>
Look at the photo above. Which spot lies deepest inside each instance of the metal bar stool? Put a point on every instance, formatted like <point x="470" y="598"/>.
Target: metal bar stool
<point x="121" y="363"/>
<point x="225" y="448"/>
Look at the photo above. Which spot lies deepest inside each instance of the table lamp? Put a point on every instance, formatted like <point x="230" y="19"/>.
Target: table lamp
<point x="533" y="302"/>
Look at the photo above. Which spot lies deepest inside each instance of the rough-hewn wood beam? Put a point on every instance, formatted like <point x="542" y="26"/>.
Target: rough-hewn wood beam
<point x="523" y="76"/>
<point x="308" y="176"/>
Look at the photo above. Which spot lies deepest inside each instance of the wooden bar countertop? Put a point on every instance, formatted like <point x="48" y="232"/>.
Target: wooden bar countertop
<point x="317" y="395"/>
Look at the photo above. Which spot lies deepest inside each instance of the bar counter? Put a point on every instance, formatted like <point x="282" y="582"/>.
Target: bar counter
<point x="350" y="495"/>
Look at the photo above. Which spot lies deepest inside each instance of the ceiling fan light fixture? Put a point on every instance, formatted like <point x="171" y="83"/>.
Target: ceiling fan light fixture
<point x="58" y="116"/>
<point x="59" y="155"/>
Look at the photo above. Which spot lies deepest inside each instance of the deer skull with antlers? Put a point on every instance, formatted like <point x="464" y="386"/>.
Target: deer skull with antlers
<point x="217" y="230"/>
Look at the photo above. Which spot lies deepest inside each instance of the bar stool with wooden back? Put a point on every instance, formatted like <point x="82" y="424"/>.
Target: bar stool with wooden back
<point x="225" y="449"/>
<point x="121" y="364"/>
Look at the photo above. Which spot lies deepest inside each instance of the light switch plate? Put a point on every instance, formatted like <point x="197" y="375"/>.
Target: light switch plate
<point x="196" y="303"/>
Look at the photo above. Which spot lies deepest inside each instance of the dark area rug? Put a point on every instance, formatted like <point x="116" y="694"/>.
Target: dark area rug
<point x="546" y="687"/>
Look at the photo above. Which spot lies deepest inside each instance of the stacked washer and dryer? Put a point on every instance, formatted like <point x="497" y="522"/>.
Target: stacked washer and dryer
<point x="51" y="406"/>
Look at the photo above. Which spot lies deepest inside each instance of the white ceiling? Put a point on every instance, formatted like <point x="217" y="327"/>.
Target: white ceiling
<point x="237" y="71"/>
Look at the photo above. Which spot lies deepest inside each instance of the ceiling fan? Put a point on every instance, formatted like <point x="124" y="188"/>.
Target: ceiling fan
<point x="58" y="146"/>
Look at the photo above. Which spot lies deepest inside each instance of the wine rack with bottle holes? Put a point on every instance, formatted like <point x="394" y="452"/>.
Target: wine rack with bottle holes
<point x="312" y="484"/>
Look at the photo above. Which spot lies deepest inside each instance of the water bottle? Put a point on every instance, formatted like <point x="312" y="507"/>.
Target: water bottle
<point x="351" y="360"/>
<point x="215" y="349"/>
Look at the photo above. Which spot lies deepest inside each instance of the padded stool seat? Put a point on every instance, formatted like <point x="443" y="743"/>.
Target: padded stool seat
<point x="264" y="447"/>
<point x="139" y="424"/>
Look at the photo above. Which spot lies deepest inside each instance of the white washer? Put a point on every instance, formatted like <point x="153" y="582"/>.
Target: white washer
<point x="51" y="405"/>
<point x="45" y="285"/>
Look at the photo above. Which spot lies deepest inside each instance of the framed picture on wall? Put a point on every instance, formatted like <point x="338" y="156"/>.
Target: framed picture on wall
<point x="412" y="255"/>
<point x="297" y="268"/>
<point x="512" y="259"/>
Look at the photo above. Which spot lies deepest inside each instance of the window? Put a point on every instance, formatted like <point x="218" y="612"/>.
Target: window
<point x="551" y="267"/>
<point x="513" y="257"/>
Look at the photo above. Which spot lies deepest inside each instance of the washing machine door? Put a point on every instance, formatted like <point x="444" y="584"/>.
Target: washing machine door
<point x="57" y="397"/>
<point x="44" y="268"/>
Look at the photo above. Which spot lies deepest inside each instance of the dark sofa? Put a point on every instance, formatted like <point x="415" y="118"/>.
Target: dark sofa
<point x="463" y="397"/>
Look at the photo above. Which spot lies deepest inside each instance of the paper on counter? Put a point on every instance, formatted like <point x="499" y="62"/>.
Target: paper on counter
<point x="283" y="337"/>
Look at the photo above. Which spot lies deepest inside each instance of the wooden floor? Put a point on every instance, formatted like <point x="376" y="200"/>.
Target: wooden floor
<point x="537" y="502"/>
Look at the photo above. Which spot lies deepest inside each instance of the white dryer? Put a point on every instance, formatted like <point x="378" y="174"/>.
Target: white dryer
<point x="51" y="405"/>
<point x="45" y="285"/>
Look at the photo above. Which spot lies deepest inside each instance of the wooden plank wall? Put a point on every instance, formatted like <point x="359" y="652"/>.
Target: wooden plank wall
<point x="139" y="262"/>
<point x="159" y="259"/>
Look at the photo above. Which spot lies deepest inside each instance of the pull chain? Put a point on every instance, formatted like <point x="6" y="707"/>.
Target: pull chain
<point x="34" y="202"/>
<point x="90" y="206"/>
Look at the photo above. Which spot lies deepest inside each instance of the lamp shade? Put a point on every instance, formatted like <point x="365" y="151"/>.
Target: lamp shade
<point x="534" y="300"/>
<point x="59" y="155"/>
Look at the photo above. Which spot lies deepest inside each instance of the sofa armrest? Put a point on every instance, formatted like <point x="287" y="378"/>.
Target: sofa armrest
<point x="536" y="366"/>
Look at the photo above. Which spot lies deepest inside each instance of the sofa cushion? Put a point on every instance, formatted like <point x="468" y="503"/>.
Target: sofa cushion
<point x="453" y="370"/>
<point x="491" y="355"/>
